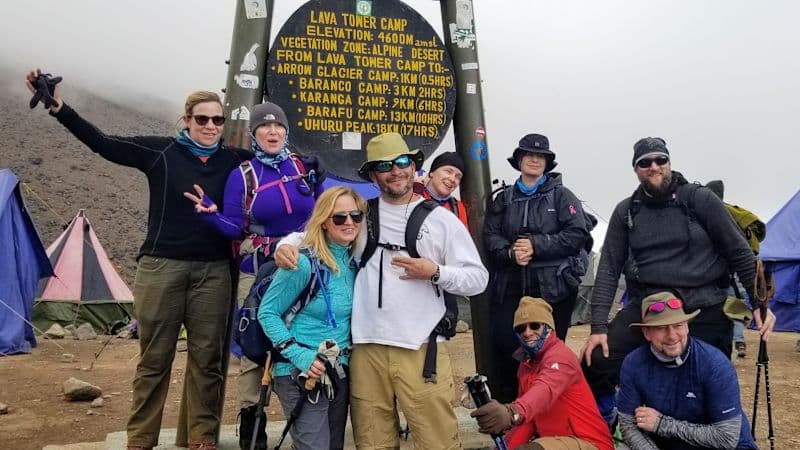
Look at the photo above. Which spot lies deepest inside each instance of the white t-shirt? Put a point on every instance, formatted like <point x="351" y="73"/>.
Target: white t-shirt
<point x="411" y="308"/>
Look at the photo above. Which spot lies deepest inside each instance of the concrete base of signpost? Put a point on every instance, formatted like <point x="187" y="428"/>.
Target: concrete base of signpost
<point x="468" y="430"/>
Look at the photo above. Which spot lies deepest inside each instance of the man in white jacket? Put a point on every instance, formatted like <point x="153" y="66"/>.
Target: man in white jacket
<point x="397" y="302"/>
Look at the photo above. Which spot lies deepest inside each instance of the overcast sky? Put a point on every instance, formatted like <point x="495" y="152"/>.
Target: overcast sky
<point x="718" y="79"/>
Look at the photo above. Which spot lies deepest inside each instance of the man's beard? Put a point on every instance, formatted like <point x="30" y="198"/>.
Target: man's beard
<point x="400" y="192"/>
<point x="660" y="189"/>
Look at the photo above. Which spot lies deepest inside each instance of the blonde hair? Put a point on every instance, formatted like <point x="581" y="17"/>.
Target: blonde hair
<point x="315" y="238"/>
<point x="197" y="97"/>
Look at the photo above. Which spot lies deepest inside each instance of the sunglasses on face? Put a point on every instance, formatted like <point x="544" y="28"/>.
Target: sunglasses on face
<point x="673" y="303"/>
<point x="202" y="120"/>
<point x="339" y="218"/>
<point x="647" y="162"/>
<point x="534" y="326"/>
<point x="401" y="162"/>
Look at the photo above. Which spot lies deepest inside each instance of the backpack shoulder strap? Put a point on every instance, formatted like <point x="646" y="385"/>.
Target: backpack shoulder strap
<point x="250" y="182"/>
<point x="373" y="231"/>
<point x="414" y="224"/>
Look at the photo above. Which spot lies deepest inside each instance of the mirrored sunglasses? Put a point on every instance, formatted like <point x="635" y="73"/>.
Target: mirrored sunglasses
<point x="401" y="162"/>
<point x="534" y="326"/>
<point x="647" y="162"/>
<point x="202" y="120"/>
<point x="673" y="303"/>
<point x="339" y="218"/>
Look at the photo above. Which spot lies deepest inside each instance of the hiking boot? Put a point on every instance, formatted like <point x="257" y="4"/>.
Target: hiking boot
<point x="203" y="445"/>
<point x="247" y="420"/>
<point x="741" y="349"/>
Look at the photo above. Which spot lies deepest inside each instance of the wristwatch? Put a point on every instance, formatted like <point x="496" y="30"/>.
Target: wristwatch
<point x="436" y="275"/>
<point x="516" y="418"/>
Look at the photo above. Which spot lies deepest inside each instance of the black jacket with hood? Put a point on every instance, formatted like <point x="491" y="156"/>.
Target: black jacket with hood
<point x="558" y="228"/>
<point x="683" y="241"/>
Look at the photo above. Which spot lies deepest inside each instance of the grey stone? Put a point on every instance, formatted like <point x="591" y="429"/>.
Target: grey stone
<point x="3" y="408"/>
<point x="77" y="390"/>
<point x="124" y="334"/>
<point x="70" y="329"/>
<point x="55" y="331"/>
<point x="67" y="357"/>
<point x="97" y="403"/>
<point x="462" y="327"/>
<point x="85" y="332"/>
<point x="90" y="413"/>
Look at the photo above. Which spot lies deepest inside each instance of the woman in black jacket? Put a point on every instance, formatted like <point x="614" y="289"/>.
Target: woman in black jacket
<point x="536" y="236"/>
<point x="183" y="275"/>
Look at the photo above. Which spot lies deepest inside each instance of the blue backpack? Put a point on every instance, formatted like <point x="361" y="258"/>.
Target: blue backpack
<point x="248" y="333"/>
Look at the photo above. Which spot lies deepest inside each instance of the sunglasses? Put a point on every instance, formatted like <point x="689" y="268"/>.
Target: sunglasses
<point x="534" y="326"/>
<point x="203" y="120"/>
<point x="657" y="307"/>
<point x="401" y="162"/>
<point x="340" y="218"/>
<point x="646" y="162"/>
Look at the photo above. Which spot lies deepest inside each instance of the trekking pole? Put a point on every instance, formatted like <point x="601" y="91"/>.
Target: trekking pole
<point x="524" y="233"/>
<point x="764" y="288"/>
<point x="263" y="399"/>
<point x="476" y="385"/>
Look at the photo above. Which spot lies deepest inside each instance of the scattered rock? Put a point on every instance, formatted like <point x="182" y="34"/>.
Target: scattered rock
<point x="55" y="332"/>
<point x="90" y="413"/>
<point x="117" y="393"/>
<point x="124" y="334"/>
<point x="35" y="161"/>
<point x="67" y="357"/>
<point x="70" y="329"/>
<point x="462" y="327"/>
<point x="107" y="396"/>
<point x="98" y="402"/>
<point x="77" y="390"/>
<point x="3" y="409"/>
<point x="85" y="332"/>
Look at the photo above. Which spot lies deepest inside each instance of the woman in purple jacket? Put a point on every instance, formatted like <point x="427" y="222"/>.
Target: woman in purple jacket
<point x="283" y="190"/>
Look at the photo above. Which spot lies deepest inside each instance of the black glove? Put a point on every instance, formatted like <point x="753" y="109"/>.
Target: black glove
<point x="45" y="85"/>
<point x="493" y="418"/>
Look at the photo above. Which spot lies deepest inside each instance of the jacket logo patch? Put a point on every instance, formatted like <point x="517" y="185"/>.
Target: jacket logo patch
<point x="572" y="210"/>
<point x="690" y="394"/>
<point x="551" y="210"/>
<point x="554" y="366"/>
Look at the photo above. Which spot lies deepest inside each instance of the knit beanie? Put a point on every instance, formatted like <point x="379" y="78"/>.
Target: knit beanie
<point x="649" y="146"/>
<point x="533" y="310"/>
<point x="266" y="113"/>
<point x="448" y="159"/>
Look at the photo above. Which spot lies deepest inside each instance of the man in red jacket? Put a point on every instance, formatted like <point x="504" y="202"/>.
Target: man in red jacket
<point x="555" y="408"/>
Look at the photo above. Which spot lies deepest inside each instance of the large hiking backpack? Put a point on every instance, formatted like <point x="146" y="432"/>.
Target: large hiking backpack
<point x="248" y="332"/>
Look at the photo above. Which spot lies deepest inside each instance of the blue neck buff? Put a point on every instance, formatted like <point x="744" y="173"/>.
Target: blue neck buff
<point x="533" y="351"/>
<point x="530" y="190"/>
<point x="436" y="197"/>
<point x="270" y="159"/>
<point x="196" y="149"/>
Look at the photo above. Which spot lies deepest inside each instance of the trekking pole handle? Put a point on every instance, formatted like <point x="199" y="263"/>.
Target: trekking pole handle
<point x="312" y="381"/>
<point x="266" y="379"/>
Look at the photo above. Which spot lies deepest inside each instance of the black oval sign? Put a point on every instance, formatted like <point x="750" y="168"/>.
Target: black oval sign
<point x="345" y="71"/>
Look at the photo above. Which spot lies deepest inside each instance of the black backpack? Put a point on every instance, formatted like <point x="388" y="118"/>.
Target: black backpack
<point x="248" y="332"/>
<point x="447" y="325"/>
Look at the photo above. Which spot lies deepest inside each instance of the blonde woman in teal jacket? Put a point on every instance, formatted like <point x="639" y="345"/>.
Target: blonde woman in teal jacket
<point x="331" y="231"/>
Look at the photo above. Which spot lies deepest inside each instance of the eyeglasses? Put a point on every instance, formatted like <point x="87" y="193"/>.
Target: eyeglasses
<point x="202" y="120"/>
<point x="646" y="162"/>
<point x="534" y="326"/>
<point x="340" y="218"/>
<point x="673" y="303"/>
<point x="401" y="162"/>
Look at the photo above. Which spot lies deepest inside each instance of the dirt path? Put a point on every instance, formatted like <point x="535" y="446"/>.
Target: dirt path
<point x="38" y="415"/>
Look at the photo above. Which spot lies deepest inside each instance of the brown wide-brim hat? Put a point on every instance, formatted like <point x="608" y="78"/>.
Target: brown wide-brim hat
<point x="668" y="316"/>
<point x="388" y="147"/>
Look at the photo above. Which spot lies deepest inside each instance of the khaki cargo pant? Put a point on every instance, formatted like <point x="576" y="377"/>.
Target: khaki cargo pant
<point x="168" y="293"/>
<point x="383" y="378"/>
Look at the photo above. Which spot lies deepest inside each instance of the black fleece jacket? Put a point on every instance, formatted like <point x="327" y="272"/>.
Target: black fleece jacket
<point x="173" y="229"/>
<point x="689" y="246"/>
